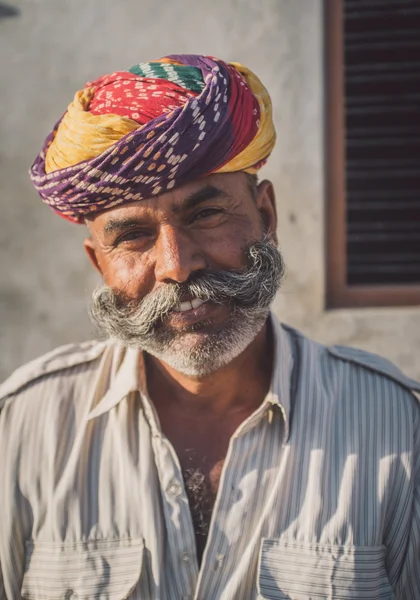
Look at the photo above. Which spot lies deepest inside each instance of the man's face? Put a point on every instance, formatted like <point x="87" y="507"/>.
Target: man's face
<point x="150" y="250"/>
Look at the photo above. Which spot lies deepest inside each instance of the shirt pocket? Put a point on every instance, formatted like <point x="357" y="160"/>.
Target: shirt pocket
<point x="105" y="570"/>
<point x="301" y="571"/>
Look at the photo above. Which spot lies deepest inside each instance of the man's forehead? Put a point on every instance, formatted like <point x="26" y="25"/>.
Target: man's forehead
<point x="222" y="185"/>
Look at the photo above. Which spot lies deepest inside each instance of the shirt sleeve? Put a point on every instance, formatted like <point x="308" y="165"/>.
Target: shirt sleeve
<point x="12" y="518"/>
<point x="2" y="592"/>
<point x="408" y="587"/>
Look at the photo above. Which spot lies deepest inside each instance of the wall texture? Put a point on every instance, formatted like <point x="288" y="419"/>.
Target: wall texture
<point x="52" y="47"/>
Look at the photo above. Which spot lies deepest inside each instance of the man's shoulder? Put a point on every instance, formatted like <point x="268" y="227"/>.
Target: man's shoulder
<point x="370" y="362"/>
<point x="353" y="363"/>
<point x="60" y="362"/>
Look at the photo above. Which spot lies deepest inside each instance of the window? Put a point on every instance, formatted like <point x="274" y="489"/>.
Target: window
<point x="373" y="152"/>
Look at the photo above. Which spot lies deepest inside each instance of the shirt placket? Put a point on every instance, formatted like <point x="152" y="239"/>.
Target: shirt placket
<point x="217" y="548"/>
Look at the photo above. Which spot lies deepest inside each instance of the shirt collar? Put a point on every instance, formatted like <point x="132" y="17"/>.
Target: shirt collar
<point x="128" y="375"/>
<point x="281" y="379"/>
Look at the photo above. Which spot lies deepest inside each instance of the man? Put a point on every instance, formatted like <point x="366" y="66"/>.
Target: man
<point x="204" y="450"/>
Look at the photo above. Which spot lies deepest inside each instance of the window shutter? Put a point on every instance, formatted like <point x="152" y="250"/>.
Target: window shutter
<point x="381" y="73"/>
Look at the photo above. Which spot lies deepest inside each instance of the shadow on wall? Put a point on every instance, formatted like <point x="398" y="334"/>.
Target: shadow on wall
<point x="8" y="11"/>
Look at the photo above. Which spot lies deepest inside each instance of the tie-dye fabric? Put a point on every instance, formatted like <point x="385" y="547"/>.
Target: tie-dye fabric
<point x="138" y="133"/>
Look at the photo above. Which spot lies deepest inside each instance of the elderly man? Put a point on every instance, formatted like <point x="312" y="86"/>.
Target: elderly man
<point x="203" y="450"/>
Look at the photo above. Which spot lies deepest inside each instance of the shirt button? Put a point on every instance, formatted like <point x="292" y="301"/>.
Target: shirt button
<point x="174" y="489"/>
<point x="219" y="560"/>
<point x="185" y="557"/>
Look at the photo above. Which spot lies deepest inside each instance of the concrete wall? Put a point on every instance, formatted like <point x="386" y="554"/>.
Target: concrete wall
<point x="53" y="47"/>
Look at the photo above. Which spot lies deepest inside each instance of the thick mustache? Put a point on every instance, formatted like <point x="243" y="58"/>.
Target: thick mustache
<point x="255" y="285"/>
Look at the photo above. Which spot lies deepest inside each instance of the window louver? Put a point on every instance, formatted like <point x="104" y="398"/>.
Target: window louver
<point x="381" y="79"/>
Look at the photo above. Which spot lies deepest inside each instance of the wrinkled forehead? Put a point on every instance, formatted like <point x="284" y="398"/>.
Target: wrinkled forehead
<point x="223" y="187"/>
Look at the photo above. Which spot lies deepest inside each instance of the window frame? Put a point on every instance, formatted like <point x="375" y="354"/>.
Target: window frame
<point x="338" y="293"/>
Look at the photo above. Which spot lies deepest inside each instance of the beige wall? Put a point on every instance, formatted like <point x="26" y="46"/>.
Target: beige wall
<point x="54" y="46"/>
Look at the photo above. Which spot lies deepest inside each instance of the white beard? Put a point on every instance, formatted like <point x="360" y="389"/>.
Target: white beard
<point x="197" y="354"/>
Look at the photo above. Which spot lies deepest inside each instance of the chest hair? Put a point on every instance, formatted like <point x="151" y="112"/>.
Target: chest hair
<point x="201" y="485"/>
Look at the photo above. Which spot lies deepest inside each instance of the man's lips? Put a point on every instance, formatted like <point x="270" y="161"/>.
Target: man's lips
<point x="190" y="315"/>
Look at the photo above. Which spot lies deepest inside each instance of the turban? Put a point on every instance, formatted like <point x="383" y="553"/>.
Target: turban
<point x="138" y="133"/>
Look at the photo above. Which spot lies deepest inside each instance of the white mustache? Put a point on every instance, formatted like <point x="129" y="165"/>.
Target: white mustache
<point x="253" y="287"/>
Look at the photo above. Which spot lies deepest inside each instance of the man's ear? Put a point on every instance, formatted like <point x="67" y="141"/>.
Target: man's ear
<point x="266" y="204"/>
<point x="89" y="246"/>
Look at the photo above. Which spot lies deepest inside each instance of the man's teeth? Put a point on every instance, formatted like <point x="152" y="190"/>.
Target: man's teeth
<point x="184" y="306"/>
<point x="196" y="302"/>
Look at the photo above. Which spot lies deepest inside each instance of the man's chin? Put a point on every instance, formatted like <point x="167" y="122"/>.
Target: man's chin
<point x="202" y="348"/>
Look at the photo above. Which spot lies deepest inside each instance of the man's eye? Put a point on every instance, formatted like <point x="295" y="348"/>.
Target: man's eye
<point x="133" y="235"/>
<point x="206" y="213"/>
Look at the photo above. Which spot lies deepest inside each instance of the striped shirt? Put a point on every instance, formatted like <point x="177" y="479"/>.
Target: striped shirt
<point x="319" y="496"/>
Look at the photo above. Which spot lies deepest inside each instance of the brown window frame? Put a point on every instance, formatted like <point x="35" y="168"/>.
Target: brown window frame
<point x="338" y="293"/>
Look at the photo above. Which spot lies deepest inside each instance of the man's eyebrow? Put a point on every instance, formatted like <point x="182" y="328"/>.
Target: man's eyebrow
<point x="117" y="225"/>
<point x="209" y="192"/>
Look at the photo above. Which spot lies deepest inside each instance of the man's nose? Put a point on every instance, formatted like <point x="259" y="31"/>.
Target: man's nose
<point x="177" y="255"/>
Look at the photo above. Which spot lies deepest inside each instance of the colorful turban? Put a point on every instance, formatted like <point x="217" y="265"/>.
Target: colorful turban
<point x="137" y="133"/>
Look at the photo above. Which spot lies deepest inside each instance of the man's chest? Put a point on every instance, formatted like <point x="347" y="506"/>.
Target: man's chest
<point x="200" y="443"/>
<point x="117" y="498"/>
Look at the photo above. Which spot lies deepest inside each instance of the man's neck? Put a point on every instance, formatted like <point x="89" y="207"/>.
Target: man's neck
<point x="239" y="386"/>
